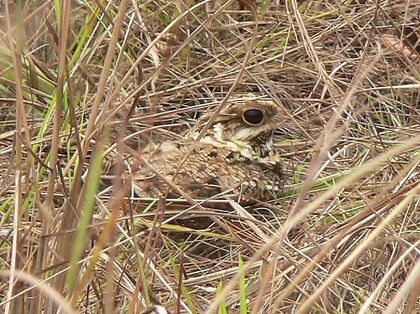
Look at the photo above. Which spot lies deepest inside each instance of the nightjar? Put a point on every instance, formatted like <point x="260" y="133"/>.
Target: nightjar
<point x="235" y="157"/>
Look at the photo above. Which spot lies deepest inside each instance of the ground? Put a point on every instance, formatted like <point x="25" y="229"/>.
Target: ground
<point x="83" y="83"/>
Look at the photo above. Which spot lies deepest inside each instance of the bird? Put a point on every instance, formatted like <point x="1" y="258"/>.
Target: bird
<point x="235" y="156"/>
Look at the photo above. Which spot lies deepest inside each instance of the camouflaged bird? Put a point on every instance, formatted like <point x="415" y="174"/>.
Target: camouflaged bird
<point x="236" y="155"/>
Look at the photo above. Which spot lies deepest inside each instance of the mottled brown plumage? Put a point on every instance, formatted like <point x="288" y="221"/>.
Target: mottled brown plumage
<point x="236" y="156"/>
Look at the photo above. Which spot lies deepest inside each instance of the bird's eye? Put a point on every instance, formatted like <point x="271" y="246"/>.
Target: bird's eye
<point x="253" y="116"/>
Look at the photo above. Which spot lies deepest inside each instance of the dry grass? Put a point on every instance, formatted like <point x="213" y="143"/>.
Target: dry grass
<point x="79" y="81"/>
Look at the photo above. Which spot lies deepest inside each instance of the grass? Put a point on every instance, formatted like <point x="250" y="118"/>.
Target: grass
<point x="81" y="84"/>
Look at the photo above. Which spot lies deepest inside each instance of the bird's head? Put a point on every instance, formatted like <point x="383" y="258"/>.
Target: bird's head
<point x="246" y="126"/>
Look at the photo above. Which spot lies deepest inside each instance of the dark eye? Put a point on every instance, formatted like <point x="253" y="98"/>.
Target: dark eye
<point x="253" y="116"/>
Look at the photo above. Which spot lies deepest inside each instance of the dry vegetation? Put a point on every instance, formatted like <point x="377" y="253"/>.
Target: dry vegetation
<point x="75" y="80"/>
